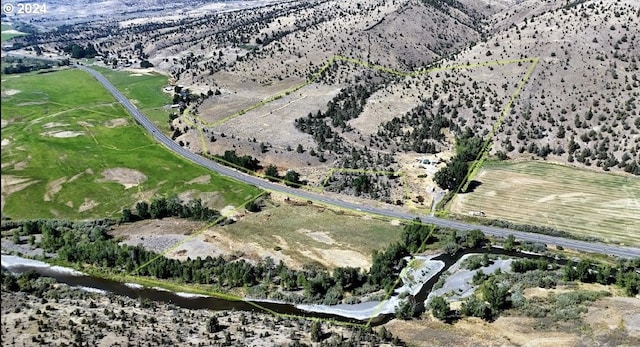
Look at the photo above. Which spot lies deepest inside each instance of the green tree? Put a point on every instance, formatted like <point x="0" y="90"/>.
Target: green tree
<point x="292" y="178"/>
<point x="496" y="295"/>
<point x="10" y="282"/>
<point x="213" y="326"/>
<point x="127" y="216"/>
<point x="253" y="206"/>
<point x="142" y="207"/>
<point x="407" y="309"/>
<point x="145" y="64"/>
<point x="272" y="172"/>
<point x="16" y="237"/>
<point x="316" y="331"/>
<point x="474" y="307"/>
<point x="509" y="243"/>
<point x="476" y="238"/>
<point x="451" y="176"/>
<point x="439" y="307"/>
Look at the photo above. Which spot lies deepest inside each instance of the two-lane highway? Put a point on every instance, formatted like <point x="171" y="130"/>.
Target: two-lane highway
<point x="592" y="247"/>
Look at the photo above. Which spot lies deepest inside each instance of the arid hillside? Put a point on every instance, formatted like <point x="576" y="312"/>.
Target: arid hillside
<point x="370" y="85"/>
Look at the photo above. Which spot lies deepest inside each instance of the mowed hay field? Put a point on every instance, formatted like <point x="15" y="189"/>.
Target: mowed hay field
<point x="586" y="203"/>
<point x="69" y="150"/>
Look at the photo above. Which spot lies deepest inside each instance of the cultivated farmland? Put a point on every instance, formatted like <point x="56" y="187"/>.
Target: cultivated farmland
<point x="71" y="151"/>
<point x="583" y="202"/>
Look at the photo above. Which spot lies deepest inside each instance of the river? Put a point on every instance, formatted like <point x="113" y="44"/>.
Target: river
<point x="356" y="313"/>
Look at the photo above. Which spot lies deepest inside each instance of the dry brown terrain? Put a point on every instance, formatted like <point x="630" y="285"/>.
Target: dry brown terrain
<point x="576" y="107"/>
<point x="583" y="202"/>
<point x="609" y="322"/>
<point x="316" y="236"/>
<point x="429" y="69"/>
<point x="64" y="316"/>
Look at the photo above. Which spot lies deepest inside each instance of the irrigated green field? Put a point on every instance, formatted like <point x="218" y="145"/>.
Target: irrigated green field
<point x="145" y="91"/>
<point x="606" y="206"/>
<point x="7" y="36"/>
<point x="70" y="150"/>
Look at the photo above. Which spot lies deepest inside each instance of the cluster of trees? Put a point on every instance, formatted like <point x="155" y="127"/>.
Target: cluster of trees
<point x="23" y="68"/>
<point x="182" y="97"/>
<point x="386" y="265"/>
<point x="426" y="128"/>
<point x="625" y="274"/>
<point x="525" y="265"/>
<point x="116" y="315"/>
<point x="28" y="282"/>
<point x="348" y="104"/>
<point x="19" y="65"/>
<point x="326" y="138"/>
<point x="468" y="147"/>
<point x="374" y="186"/>
<point x="171" y="206"/>
<point x="502" y="291"/>
<point x="89" y="243"/>
<point x="246" y="161"/>
<point x="79" y="52"/>
<point x="457" y="239"/>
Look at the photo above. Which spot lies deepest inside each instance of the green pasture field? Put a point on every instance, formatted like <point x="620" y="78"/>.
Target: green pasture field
<point x="579" y="201"/>
<point x="144" y="91"/>
<point x="62" y="130"/>
<point x="7" y="36"/>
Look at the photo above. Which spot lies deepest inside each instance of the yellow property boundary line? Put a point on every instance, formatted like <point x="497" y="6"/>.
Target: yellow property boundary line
<point x="406" y="197"/>
<point x="150" y="282"/>
<point x="472" y="171"/>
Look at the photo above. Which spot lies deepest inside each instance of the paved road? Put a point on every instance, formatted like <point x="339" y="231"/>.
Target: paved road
<point x="593" y="247"/>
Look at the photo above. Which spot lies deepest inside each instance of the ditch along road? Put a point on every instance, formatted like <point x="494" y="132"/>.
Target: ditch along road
<point x="158" y="135"/>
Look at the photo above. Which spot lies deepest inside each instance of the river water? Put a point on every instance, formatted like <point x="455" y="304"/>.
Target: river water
<point x="191" y="301"/>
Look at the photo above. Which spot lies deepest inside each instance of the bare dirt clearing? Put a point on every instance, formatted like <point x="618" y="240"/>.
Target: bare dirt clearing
<point x="53" y="187"/>
<point x="208" y="198"/>
<point x="87" y="204"/>
<point x="204" y="179"/>
<point x="127" y="177"/>
<point x="583" y="202"/>
<point x="63" y="134"/>
<point x="10" y="92"/>
<point x="12" y="184"/>
<point x="118" y="122"/>
<point x="273" y="123"/>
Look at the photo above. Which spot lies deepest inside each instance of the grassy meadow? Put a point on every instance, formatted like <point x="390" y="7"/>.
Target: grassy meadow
<point x="7" y="36"/>
<point x="583" y="202"/>
<point x="311" y="227"/>
<point x="145" y="91"/>
<point x="64" y="140"/>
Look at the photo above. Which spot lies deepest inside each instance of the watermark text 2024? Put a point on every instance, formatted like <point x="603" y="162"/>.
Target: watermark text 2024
<point x="24" y="8"/>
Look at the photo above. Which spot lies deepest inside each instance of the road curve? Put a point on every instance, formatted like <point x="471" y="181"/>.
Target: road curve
<point x="591" y="247"/>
